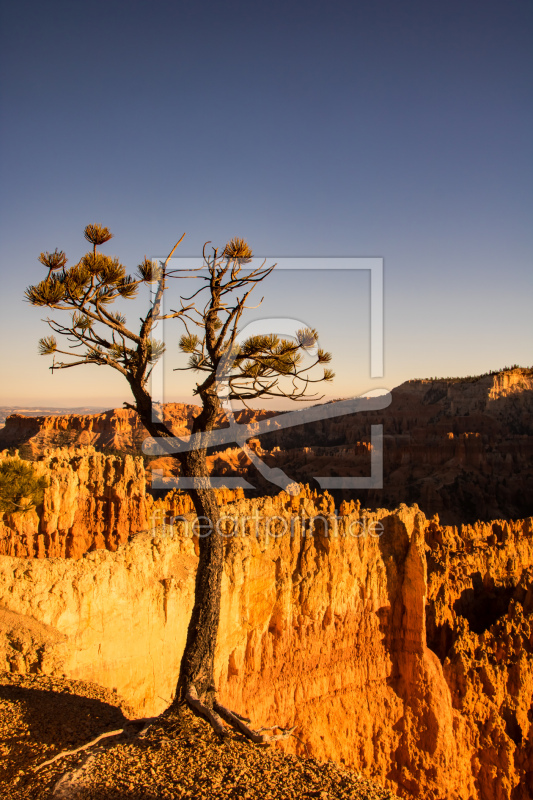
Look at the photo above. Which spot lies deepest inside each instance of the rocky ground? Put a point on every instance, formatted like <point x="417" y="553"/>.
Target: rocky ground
<point x="178" y="756"/>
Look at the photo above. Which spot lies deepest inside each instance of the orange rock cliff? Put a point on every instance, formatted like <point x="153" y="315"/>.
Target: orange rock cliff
<point x="407" y="655"/>
<point x="460" y="448"/>
<point x="399" y="642"/>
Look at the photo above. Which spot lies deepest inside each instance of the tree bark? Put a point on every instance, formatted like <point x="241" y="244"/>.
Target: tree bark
<point x="197" y="665"/>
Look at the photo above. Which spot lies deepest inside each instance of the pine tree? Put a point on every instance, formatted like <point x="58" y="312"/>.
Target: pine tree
<point x="260" y="367"/>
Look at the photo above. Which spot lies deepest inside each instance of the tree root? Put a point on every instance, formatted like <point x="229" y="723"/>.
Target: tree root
<point x="65" y="753"/>
<point x="194" y="702"/>
<point x="135" y="723"/>
<point x="239" y="723"/>
<point x="215" y="716"/>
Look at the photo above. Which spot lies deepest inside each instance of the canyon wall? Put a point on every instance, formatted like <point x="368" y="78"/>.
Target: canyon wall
<point x="407" y="655"/>
<point x="480" y="624"/>
<point x="329" y="622"/>
<point x="119" y="429"/>
<point x="93" y="501"/>
<point x="462" y="448"/>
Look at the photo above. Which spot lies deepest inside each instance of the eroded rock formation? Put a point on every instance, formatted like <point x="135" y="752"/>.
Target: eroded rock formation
<point x="480" y="624"/>
<point x="119" y="429"/>
<point x="461" y="448"/>
<point x="92" y="501"/>
<point x="329" y="622"/>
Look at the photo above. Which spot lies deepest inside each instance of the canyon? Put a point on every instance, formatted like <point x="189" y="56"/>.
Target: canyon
<point x="460" y="448"/>
<point x="397" y="638"/>
<point x="398" y="646"/>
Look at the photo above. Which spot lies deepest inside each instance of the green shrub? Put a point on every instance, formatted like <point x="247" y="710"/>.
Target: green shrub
<point x="21" y="489"/>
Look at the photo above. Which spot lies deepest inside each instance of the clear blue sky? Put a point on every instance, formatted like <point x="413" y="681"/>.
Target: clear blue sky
<point x="400" y="130"/>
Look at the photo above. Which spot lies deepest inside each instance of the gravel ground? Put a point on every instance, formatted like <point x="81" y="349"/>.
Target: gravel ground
<point x="177" y="757"/>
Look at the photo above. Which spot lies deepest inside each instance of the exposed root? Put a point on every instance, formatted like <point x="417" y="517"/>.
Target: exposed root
<point x="70" y="783"/>
<point x="239" y="723"/>
<point x="204" y="711"/>
<point x="134" y="723"/>
<point x="78" y="749"/>
<point x="240" y="716"/>
<point x="215" y="716"/>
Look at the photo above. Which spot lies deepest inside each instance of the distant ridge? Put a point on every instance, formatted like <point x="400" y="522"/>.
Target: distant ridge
<point x="528" y="371"/>
<point x="460" y="448"/>
<point x="47" y="411"/>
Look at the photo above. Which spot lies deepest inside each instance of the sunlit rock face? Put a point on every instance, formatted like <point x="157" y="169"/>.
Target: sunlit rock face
<point x="461" y="448"/>
<point x="396" y="645"/>
<point x="92" y="501"/>
<point x="119" y="429"/>
<point x="480" y="624"/>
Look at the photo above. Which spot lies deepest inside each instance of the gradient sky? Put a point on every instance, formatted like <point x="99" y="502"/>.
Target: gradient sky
<point x="400" y="130"/>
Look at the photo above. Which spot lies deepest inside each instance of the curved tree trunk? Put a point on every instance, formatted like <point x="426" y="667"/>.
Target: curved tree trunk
<point x="197" y="665"/>
<point x="196" y="684"/>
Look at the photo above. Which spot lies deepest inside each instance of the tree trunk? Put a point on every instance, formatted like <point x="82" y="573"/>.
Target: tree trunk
<point x="197" y="665"/>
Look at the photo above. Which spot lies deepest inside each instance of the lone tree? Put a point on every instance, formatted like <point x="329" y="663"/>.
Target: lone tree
<point x="260" y="367"/>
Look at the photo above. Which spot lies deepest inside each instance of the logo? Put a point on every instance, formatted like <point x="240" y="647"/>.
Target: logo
<point x="241" y="433"/>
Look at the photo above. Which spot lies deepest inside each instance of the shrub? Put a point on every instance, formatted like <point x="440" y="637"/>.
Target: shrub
<point x="21" y="489"/>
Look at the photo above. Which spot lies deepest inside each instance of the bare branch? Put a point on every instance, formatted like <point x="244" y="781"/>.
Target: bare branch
<point x="153" y="313"/>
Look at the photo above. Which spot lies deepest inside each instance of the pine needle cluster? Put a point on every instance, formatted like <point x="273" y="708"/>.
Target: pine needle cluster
<point x="96" y="334"/>
<point x="262" y="366"/>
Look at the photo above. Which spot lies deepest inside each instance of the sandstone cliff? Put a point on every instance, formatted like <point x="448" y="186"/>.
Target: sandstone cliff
<point x="462" y="448"/>
<point x="325" y="625"/>
<point x="119" y="429"/>
<point x="480" y="624"/>
<point x="92" y="501"/>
